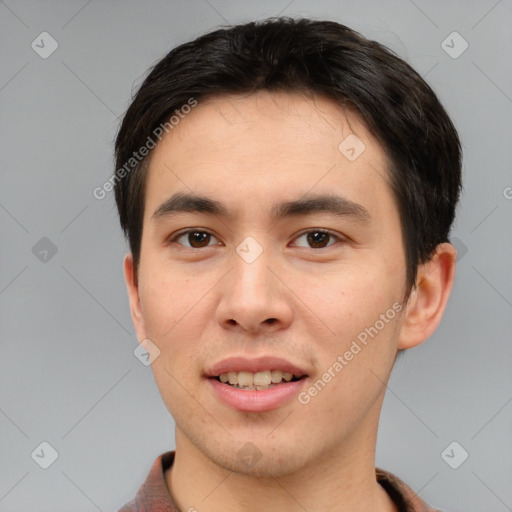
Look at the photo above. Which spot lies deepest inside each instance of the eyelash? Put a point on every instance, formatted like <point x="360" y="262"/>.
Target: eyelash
<point x="178" y="235"/>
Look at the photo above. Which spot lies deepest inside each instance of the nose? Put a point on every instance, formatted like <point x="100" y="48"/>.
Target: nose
<point x="254" y="297"/>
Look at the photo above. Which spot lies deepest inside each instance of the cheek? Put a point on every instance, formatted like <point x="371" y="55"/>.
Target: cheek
<point x="356" y="296"/>
<point x="173" y="306"/>
<point x="172" y="316"/>
<point x="362" y="314"/>
<point x="166" y="297"/>
<point x="355" y="362"/>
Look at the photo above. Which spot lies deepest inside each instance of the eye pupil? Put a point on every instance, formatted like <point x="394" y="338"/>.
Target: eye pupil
<point x="316" y="238"/>
<point x="198" y="237"/>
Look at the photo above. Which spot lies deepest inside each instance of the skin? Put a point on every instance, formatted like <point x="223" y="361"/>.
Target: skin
<point x="202" y="303"/>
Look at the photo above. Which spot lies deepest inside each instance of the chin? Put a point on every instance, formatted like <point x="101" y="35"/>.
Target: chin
<point x="260" y="461"/>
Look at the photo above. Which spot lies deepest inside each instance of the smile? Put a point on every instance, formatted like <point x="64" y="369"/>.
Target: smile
<point x="259" y="381"/>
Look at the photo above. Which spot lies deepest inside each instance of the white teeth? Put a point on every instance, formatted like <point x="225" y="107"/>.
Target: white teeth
<point x="262" y="378"/>
<point x="245" y="379"/>
<point x="258" y="380"/>
<point x="277" y="376"/>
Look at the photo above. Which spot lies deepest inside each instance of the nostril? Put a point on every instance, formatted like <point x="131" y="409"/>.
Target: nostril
<point x="271" y="320"/>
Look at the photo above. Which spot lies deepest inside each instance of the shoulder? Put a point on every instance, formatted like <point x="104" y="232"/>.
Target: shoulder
<point x="153" y="494"/>
<point x="404" y="497"/>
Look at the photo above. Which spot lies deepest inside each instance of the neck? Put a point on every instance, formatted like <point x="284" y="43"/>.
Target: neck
<point x="338" y="480"/>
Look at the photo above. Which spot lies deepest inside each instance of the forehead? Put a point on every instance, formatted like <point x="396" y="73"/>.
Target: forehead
<point x="266" y="146"/>
<point x="277" y="122"/>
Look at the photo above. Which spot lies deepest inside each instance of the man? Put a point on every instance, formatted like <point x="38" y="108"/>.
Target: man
<point x="287" y="190"/>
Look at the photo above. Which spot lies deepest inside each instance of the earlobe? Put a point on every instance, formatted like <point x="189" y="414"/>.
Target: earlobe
<point x="427" y="301"/>
<point x="133" y="296"/>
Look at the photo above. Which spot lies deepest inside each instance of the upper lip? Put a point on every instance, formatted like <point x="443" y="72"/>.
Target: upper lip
<point x="254" y="365"/>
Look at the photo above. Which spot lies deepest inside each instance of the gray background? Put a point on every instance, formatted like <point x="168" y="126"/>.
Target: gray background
<point x="68" y="373"/>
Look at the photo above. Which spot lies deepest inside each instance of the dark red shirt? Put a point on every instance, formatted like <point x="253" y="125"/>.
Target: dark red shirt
<point x="153" y="496"/>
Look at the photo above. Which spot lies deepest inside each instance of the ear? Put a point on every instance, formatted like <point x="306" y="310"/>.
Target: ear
<point x="428" y="298"/>
<point x="132" y="287"/>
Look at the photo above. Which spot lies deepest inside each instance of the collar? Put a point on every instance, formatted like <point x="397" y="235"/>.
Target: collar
<point x="153" y="495"/>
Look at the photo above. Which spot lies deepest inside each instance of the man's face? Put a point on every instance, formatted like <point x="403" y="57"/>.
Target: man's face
<point x="256" y="280"/>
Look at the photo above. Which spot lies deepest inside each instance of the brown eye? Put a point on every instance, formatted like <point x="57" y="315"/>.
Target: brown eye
<point x="199" y="239"/>
<point x="194" y="239"/>
<point x="317" y="239"/>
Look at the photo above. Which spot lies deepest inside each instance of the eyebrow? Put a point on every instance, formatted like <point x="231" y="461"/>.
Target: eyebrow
<point x="325" y="203"/>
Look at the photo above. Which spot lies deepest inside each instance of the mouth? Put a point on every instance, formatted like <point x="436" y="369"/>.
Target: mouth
<point x="257" y="384"/>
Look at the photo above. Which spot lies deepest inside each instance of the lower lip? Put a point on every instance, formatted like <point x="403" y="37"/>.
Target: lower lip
<point x="251" y="400"/>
